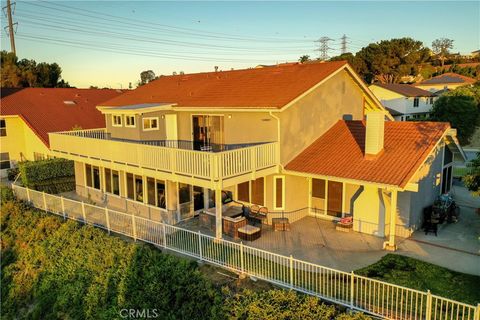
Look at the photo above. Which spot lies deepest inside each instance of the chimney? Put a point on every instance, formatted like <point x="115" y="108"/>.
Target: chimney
<point x="374" y="133"/>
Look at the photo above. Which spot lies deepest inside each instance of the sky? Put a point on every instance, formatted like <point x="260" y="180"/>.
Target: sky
<point x="108" y="43"/>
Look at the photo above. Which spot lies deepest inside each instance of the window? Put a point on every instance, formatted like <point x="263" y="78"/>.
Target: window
<point x="156" y="195"/>
<point x="112" y="181"/>
<point x="92" y="175"/>
<point x="184" y="195"/>
<point x="130" y="121"/>
<point x="279" y="193"/>
<point x="431" y="100"/>
<point x="448" y="155"/>
<point x="318" y="188"/>
<point x="117" y="121"/>
<point x="255" y="188"/>
<point x="134" y="187"/>
<point x="4" y="160"/>
<point x="3" y="128"/>
<point x="415" y="102"/>
<point x="150" y="124"/>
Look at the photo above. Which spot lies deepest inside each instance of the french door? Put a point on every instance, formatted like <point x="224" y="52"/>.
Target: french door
<point x="207" y="132"/>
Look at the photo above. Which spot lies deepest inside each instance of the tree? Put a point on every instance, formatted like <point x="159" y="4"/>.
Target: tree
<point x="27" y="73"/>
<point x="441" y="47"/>
<point x="146" y="77"/>
<point x="348" y="56"/>
<point x="460" y="110"/>
<point x="389" y="60"/>
<point x="472" y="179"/>
<point x="304" y="58"/>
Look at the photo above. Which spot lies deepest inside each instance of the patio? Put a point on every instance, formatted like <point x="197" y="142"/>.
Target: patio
<point x="313" y="240"/>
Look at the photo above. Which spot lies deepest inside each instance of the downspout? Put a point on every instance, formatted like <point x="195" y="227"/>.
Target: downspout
<point x="278" y="137"/>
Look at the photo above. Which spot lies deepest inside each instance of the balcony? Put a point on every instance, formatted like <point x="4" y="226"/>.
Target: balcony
<point x="181" y="161"/>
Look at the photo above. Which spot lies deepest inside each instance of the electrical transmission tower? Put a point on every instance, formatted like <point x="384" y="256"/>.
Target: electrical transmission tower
<point x="323" y="47"/>
<point x="11" y="32"/>
<point x="344" y="44"/>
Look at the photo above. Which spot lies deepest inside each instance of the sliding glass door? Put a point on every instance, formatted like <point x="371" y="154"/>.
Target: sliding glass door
<point x="207" y="132"/>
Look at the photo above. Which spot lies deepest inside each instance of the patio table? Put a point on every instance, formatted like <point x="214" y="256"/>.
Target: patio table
<point x="249" y="233"/>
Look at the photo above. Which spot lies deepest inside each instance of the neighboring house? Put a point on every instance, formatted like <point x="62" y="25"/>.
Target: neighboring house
<point x="404" y="101"/>
<point x="447" y="80"/>
<point x="290" y="138"/>
<point x="28" y="115"/>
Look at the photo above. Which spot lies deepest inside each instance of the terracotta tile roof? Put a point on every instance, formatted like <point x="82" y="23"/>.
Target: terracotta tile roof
<point x="448" y="77"/>
<point x="44" y="109"/>
<point x="267" y="87"/>
<point x="340" y="152"/>
<point x="406" y="90"/>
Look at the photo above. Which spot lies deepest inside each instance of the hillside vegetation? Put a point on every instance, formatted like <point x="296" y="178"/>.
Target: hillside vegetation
<point x="53" y="269"/>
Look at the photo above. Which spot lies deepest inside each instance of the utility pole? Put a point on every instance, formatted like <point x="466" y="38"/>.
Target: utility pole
<point x="10" y="27"/>
<point x="344" y="44"/>
<point x="323" y="48"/>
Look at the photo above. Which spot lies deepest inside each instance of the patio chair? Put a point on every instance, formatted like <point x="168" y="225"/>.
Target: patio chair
<point x="254" y="209"/>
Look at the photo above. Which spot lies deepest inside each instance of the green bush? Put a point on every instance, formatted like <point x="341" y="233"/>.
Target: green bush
<point x="52" y="269"/>
<point x="52" y="175"/>
<point x="6" y="194"/>
<point x="12" y="173"/>
<point x="279" y="305"/>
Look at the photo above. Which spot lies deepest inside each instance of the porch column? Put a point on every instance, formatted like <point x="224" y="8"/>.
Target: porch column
<point x="171" y="196"/>
<point x="206" y="194"/>
<point x="393" y="221"/>
<point x="218" y="213"/>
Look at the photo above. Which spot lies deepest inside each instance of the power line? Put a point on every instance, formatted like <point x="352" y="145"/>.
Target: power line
<point x="151" y="24"/>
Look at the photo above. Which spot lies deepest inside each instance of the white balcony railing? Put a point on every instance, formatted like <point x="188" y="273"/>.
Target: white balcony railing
<point x="98" y="144"/>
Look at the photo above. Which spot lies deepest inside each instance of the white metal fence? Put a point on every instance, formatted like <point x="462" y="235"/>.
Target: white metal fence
<point x="357" y="292"/>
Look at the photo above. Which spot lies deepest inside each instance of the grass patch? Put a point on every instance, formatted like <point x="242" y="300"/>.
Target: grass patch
<point x="416" y="274"/>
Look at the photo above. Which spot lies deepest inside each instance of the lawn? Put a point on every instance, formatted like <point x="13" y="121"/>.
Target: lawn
<point x="416" y="274"/>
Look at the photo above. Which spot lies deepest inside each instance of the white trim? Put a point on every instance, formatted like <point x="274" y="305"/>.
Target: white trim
<point x="113" y="120"/>
<point x="282" y="177"/>
<point x="134" y="121"/>
<point x="150" y="118"/>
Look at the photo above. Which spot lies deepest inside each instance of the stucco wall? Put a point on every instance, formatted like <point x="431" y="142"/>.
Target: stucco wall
<point x="310" y="117"/>
<point x="21" y="142"/>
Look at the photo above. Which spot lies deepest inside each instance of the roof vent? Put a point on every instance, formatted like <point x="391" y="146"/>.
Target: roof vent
<point x="69" y="102"/>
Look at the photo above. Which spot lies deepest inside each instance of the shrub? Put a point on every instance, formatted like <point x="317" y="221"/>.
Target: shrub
<point x="279" y="305"/>
<point x="52" y="175"/>
<point x="53" y="269"/>
<point x="6" y="194"/>
<point x="12" y="173"/>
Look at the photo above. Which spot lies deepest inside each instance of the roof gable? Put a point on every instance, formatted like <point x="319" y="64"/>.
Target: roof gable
<point x="340" y="152"/>
<point x="57" y="109"/>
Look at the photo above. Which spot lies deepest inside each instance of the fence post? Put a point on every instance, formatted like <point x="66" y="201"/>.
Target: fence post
<point x="242" y="262"/>
<point x="477" y="312"/>
<point x="83" y="213"/>
<point x="44" y="201"/>
<point x="107" y="220"/>
<point x="134" y="228"/>
<point x="164" y="236"/>
<point x="63" y="208"/>
<point x="28" y="194"/>
<point x="428" y="313"/>
<point x="352" y="288"/>
<point x="200" y="245"/>
<point x="291" y="271"/>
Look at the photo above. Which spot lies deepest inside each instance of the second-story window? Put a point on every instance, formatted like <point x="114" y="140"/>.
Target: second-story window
<point x="117" y="121"/>
<point x="415" y="102"/>
<point x="3" y="128"/>
<point x="150" y="124"/>
<point x="130" y="121"/>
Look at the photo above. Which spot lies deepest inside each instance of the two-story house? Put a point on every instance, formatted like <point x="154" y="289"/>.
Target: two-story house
<point x="283" y="137"/>
<point x="404" y="101"/>
<point x="27" y="116"/>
